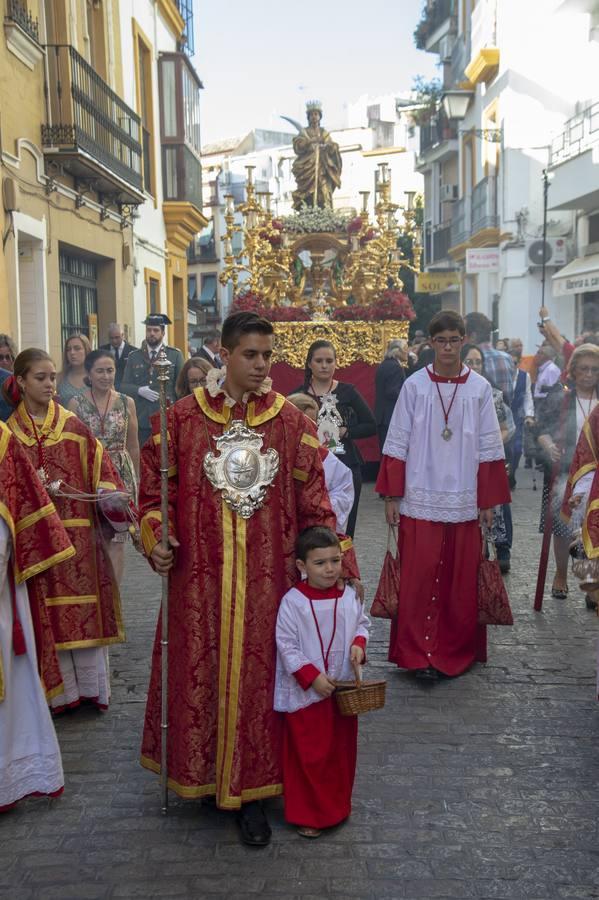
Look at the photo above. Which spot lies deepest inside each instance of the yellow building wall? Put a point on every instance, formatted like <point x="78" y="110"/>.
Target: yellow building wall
<point x="78" y="231"/>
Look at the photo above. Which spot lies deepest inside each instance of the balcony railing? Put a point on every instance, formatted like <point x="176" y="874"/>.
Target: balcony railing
<point x="88" y="118"/>
<point x="460" y="221"/>
<point x="146" y="144"/>
<point x="437" y="241"/>
<point x="484" y="204"/>
<point x="580" y="133"/>
<point x="435" y="132"/>
<point x="434" y="15"/>
<point x="460" y="57"/>
<point x="16" y="11"/>
<point x="441" y="242"/>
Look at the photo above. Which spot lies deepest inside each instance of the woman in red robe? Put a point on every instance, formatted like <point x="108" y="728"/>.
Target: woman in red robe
<point x="80" y="595"/>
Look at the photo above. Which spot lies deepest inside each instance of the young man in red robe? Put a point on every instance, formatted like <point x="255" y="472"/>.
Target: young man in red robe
<point x="245" y="477"/>
<point x="443" y="471"/>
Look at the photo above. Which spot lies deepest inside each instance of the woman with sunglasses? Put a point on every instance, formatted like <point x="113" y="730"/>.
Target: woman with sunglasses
<point x="561" y="417"/>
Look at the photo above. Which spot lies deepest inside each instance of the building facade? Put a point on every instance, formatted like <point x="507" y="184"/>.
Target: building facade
<point x="82" y="175"/>
<point x="574" y="174"/>
<point x="71" y="172"/>
<point x="483" y="168"/>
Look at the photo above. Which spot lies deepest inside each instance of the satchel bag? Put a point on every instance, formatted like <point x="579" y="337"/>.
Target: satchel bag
<point x="493" y="602"/>
<point x="386" y="598"/>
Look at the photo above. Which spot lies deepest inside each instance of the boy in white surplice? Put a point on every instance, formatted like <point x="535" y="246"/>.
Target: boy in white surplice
<point x="321" y="631"/>
<point x="442" y="472"/>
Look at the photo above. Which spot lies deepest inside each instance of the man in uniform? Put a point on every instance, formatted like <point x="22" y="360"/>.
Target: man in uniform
<point x="140" y="381"/>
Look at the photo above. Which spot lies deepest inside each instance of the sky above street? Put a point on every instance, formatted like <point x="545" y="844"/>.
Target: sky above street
<point x="264" y="58"/>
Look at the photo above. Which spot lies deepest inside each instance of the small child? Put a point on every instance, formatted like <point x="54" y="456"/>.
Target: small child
<point x="321" y="631"/>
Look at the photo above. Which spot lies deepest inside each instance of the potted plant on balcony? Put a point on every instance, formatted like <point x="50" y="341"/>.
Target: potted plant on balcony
<point x="428" y="97"/>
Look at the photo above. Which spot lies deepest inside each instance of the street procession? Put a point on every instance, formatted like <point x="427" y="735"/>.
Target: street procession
<point x="299" y="450"/>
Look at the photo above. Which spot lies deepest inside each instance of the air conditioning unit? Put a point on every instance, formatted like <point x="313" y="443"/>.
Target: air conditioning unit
<point x="552" y="252"/>
<point x="449" y="192"/>
<point x="446" y="47"/>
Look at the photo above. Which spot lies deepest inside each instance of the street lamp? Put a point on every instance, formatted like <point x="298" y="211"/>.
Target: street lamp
<point x="455" y="105"/>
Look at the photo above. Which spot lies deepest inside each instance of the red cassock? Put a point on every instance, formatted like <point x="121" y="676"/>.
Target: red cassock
<point x="436" y="623"/>
<point x="80" y="595"/>
<point x="39" y="542"/>
<point x="230" y="573"/>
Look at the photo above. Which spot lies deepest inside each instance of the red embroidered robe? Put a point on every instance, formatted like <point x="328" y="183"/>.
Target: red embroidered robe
<point x="39" y="542"/>
<point x="80" y="594"/>
<point x="229" y="576"/>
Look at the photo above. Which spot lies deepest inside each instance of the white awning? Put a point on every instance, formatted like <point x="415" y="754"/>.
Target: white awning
<point x="579" y="277"/>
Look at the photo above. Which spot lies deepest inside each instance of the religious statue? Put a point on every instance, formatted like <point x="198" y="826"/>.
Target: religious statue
<point x="317" y="164"/>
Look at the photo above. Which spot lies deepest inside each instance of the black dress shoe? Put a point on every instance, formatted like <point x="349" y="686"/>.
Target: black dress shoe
<point x="429" y="674"/>
<point x="253" y="824"/>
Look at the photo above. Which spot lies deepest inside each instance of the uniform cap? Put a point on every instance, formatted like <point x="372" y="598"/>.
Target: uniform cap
<point x="157" y="319"/>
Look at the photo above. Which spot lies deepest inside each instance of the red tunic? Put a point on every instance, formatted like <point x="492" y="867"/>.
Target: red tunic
<point x="39" y="541"/>
<point x="319" y="753"/>
<point x="80" y="594"/>
<point x="229" y="575"/>
<point x="436" y="623"/>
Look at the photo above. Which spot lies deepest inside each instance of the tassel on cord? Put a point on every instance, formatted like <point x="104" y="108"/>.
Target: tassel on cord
<point x="18" y="635"/>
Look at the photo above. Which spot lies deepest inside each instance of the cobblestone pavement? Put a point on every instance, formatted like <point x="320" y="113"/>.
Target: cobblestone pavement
<point x="479" y="787"/>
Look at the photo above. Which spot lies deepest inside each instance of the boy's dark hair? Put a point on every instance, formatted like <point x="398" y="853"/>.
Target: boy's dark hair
<point x="317" y="537"/>
<point x="240" y="323"/>
<point x="446" y="320"/>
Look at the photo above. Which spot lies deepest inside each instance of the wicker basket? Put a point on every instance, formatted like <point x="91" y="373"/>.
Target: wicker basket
<point x="355" y="697"/>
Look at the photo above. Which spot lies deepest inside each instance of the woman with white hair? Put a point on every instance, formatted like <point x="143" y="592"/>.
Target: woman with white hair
<point x="388" y="382"/>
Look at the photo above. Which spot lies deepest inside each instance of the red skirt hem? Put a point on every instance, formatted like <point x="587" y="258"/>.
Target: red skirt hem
<point x="51" y="794"/>
<point x="319" y="765"/>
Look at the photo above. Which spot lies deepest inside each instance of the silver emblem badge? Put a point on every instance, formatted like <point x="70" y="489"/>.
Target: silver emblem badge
<point x="240" y="471"/>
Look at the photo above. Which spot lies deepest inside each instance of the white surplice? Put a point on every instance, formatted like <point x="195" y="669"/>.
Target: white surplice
<point x="29" y="753"/>
<point x="441" y="476"/>
<point x="298" y="644"/>
<point x="340" y="485"/>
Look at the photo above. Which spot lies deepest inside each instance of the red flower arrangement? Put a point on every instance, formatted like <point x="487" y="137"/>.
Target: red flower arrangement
<point x="393" y="305"/>
<point x="251" y="302"/>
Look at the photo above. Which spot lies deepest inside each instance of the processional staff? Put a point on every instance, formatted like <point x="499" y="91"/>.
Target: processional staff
<point x="162" y="363"/>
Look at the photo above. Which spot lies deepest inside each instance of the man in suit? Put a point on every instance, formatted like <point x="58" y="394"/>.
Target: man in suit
<point x="209" y="349"/>
<point x="119" y="348"/>
<point x="140" y="376"/>
<point x="388" y="382"/>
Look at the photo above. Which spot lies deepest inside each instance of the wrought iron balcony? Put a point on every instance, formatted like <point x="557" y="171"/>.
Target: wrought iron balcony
<point x="92" y="132"/>
<point x="16" y="11"/>
<point x="436" y="13"/>
<point x="579" y="134"/>
<point x="460" y="222"/>
<point x="484" y="204"/>
<point x="436" y="131"/>
<point x="437" y="241"/>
